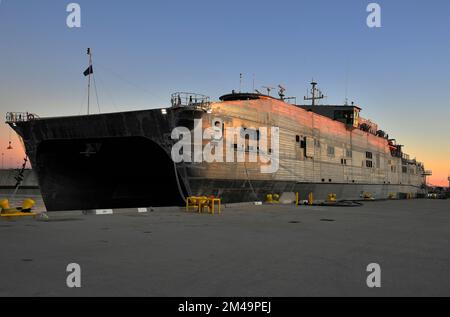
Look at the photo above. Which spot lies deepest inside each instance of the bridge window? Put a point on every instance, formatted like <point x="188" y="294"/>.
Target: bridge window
<point x="317" y="143"/>
<point x="250" y="134"/>
<point x="330" y="150"/>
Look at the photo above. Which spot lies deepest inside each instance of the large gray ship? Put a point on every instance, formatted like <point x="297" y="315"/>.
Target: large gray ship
<point x="125" y="159"/>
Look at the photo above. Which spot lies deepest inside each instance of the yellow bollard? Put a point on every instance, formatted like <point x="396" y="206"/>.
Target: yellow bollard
<point x="202" y="203"/>
<point x="276" y="198"/>
<point x="367" y="196"/>
<point x="310" y="198"/>
<point x="4" y="203"/>
<point x="332" y="198"/>
<point x="269" y="198"/>
<point x="28" y="204"/>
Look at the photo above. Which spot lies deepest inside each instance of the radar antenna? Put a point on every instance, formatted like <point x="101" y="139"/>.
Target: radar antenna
<point x="281" y="92"/>
<point x="316" y="94"/>
<point x="269" y="89"/>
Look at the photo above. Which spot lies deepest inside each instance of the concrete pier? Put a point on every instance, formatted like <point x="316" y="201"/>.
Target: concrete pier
<point x="279" y="250"/>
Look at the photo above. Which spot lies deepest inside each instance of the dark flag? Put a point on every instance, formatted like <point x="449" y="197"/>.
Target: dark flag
<point x="88" y="71"/>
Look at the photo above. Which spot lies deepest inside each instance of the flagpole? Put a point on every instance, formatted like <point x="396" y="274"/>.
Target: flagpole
<point x="89" y="77"/>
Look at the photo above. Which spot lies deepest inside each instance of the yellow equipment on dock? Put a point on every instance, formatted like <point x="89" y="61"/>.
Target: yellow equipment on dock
<point x="272" y="198"/>
<point x="310" y="199"/>
<point x="199" y="204"/>
<point x="367" y="196"/>
<point x="332" y="198"/>
<point x="24" y="211"/>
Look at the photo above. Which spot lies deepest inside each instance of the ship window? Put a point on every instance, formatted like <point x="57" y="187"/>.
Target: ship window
<point x="317" y="143"/>
<point x="297" y="138"/>
<point x="330" y="150"/>
<point x="303" y="143"/>
<point x="404" y="169"/>
<point x="343" y="161"/>
<point x="240" y="147"/>
<point x="348" y="153"/>
<point x="253" y="149"/>
<point x="369" y="155"/>
<point x="369" y="164"/>
<point x="248" y="134"/>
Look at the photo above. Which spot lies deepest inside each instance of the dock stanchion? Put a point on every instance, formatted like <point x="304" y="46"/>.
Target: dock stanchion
<point x="332" y="198"/>
<point x="310" y="199"/>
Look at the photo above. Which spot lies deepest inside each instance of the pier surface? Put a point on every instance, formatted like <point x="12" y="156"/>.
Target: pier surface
<point x="264" y="250"/>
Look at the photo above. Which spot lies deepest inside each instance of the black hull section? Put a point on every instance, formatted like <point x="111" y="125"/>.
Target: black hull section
<point x="116" y="160"/>
<point x="106" y="173"/>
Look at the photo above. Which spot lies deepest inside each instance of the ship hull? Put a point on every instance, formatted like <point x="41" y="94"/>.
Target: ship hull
<point x="123" y="172"/>
<point x="123" y="160"/>
<point x="103" y="161"/>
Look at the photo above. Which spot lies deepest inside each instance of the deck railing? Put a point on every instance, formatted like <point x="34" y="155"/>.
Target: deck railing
<point x="13" y="117"/>
<point x="187" y="99"/>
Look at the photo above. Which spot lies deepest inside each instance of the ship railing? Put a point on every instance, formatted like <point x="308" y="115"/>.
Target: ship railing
<point x="13" y="117"/>
<point x="427" y="173"/>
<point x="190" y="100"/>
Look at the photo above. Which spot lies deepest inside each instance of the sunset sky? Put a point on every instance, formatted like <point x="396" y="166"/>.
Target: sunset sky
<point x="145" y="50"/>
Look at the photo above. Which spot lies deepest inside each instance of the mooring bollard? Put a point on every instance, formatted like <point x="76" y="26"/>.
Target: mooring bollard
<point x="310" y="199"/>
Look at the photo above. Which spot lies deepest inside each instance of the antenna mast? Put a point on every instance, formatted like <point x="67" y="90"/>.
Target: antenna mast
<point x="240" y="82"/>
<point x="281" y="92"/>
<point x="316" y="94"/>
<point x="269" y="89"/>
<point x="89" y="70"/>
